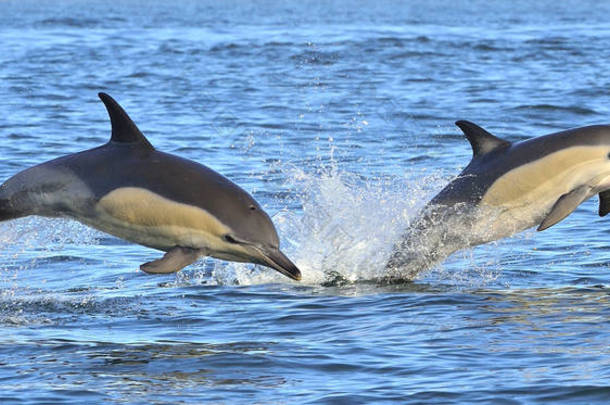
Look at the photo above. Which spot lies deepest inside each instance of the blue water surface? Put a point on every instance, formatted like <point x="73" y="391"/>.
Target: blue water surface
<point x="338" y="117"/>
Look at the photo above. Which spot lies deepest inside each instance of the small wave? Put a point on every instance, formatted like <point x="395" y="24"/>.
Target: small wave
<point x="170" y="48"/>
<point x="313" y="57"/>
<point x="277" y="44"/>
<point x="225" y="47"/>
<point x="19" y="137"/>
<point x="382" y="42"/>
<point x="25" y="307"/>
<point x="490" y="47"/>
<point x="139" y="75"/>
<point x="396" y="42"/>
<point x="56" y="97"/>
<point x="549" y="43"/>
<point x="555" y="108"/>
<point x="415" y="54"/>
<point x="71" y="22"/>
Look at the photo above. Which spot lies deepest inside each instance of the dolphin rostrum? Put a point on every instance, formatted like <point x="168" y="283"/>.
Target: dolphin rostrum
<point x="507" y="188"/>
<point x="129" y="189"/>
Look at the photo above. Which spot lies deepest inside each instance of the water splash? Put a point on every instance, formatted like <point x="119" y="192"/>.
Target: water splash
<point x="346" y="226"/>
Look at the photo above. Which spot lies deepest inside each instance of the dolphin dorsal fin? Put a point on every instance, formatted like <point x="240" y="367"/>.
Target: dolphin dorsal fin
<point x="481" y="141"/>
<point x="124" y="130"/>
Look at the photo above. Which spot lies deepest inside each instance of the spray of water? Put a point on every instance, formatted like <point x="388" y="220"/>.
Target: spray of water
<point x="345" y="229"/>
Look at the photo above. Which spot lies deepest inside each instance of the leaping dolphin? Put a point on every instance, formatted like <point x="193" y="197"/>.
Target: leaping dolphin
<point x="129" y="189"/>
<point x="507" y="188"/>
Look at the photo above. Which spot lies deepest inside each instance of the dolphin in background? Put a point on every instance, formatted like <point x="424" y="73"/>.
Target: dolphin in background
<point x="129" y="189"/>
<point x="506" y="188"/>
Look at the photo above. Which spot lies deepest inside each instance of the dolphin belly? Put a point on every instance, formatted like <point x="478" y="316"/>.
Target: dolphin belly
<point x="548" y="177"/>
<point x="522" y="197"/>
<point x="144" y="217"/>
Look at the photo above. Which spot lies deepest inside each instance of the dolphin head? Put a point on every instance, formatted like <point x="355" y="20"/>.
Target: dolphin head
<point x="251" y="237"/>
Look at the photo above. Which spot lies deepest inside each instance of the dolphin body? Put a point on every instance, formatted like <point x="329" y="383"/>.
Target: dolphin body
<point x="507" y="188"/>
<point x="129" y="189"/>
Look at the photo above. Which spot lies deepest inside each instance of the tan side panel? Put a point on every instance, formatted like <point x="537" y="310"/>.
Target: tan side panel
<point x="551" y="176"/>
<point x="140" y="207"/>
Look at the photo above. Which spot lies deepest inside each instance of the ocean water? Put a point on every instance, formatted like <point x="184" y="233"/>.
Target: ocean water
<point x="338" y="117"/>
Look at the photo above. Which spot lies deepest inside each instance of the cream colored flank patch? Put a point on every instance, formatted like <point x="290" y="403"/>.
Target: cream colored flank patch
<point x="549" y="177"/>
<point x="144" y="217"/>
<point x="525" y="195"/>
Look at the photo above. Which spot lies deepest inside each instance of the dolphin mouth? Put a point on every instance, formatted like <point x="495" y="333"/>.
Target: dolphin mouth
<point x="275" y="259"/>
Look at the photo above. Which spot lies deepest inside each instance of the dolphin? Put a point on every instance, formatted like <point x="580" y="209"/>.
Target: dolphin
<point x="129" y="189"/>
<point x="506" y="188"/>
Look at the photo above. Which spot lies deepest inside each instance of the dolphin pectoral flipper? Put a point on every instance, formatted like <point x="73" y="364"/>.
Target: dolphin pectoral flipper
<point x="174" y="260"/>
<point x="604" y="203"/>
<point x="564" y="206"/>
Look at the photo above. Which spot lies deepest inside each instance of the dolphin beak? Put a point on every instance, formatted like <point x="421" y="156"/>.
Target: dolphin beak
<point x="275" y="259"/>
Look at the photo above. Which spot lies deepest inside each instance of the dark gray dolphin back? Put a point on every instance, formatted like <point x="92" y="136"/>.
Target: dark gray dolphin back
<point x="129" y="160"/>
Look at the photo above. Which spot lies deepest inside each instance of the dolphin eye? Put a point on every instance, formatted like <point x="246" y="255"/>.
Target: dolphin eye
<point x="252" y="208"/>
<point x="229" y="238"/>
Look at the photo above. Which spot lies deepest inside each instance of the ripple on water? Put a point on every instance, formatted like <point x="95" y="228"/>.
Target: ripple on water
<point x="536" y="108"/>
